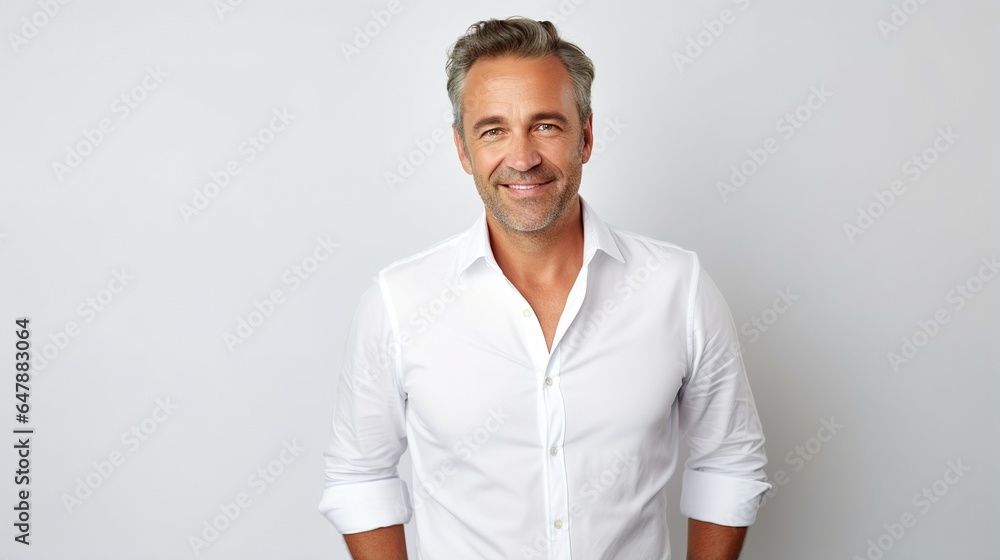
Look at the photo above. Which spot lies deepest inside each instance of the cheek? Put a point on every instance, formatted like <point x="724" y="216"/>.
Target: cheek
<point x="559" y="159"/>
<point x="485" y="163"/>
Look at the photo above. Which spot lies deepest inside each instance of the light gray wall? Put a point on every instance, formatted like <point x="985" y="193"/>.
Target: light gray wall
<point x="682" y="125"/>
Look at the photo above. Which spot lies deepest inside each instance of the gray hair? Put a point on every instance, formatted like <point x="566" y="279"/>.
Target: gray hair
<point x="517" y="36"/>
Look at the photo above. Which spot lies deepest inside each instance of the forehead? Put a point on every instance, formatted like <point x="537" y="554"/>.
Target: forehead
<point x="497" y="82"/>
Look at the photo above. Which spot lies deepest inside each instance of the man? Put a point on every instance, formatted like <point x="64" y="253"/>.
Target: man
<point x="541" y="365"/>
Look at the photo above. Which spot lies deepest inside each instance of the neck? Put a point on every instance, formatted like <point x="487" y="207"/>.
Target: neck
<point x="540" y="257"/>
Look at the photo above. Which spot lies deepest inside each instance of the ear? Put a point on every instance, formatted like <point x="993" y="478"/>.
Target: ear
<point x="588" y="139"/>
<point x="464" y="157"/>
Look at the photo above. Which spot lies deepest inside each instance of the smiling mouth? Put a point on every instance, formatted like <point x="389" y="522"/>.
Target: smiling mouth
<point x="525" y="186"/>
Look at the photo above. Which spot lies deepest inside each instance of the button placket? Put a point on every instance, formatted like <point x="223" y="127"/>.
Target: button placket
<point x="552" y="415"/>
<point x="555" y="464"/>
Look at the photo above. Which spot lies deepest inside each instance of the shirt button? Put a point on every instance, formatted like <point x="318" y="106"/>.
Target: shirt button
<point x="527" y="313"/>
<point x="558" y="524"/>
<point x="548" y="381"/>
<point x="553" y="451"/>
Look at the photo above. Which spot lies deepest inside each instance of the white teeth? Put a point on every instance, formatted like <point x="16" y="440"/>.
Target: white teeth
<point x="521" y="187"/>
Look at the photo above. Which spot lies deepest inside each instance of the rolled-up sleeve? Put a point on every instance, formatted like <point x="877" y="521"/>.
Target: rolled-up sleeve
<point x="363" y="490"/>
<point x="724" y="479"/>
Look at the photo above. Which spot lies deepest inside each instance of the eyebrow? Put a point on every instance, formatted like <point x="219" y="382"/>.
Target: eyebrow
<point x="543" y="116"/>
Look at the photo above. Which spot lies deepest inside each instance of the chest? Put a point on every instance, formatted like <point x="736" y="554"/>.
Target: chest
<point x="548" y="305"/>
<point x="615" y="370"/>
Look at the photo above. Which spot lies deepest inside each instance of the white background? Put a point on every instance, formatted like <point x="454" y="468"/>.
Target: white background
<point x="681" y="125"/>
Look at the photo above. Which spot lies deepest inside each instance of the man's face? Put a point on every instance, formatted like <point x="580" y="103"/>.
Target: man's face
<point x="526" y="144"/>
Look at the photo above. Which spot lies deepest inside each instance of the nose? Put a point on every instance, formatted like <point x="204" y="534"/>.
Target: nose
<point x="522" y="154"/>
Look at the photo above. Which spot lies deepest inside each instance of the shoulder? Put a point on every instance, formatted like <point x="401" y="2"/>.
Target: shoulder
<point x="441" y="252"/>
<point x="640" y="250"/>
<point x="413" y="275"/>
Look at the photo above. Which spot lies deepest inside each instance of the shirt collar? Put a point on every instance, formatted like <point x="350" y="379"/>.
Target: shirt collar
<point x="596" y="236"/>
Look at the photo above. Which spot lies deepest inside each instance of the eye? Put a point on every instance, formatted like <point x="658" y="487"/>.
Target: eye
<point x="491" y="133"/>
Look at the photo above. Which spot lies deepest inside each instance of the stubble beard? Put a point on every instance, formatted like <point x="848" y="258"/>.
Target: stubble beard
<point x="533" y="214"/>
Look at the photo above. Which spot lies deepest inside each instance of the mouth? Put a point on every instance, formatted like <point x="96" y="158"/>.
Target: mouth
<point x="525" y="187"/>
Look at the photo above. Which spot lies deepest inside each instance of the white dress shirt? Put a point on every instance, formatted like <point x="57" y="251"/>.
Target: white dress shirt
<point x="522" y="453"/>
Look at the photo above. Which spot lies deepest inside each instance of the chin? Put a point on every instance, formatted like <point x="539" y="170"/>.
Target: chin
<point x="527" y="225"/>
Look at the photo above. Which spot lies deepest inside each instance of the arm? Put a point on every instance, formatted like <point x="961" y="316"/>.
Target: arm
<point x="363" y="497"/>
<point x="724" y="477"/>
<point x="386" y="543"/>
<point x="708" y="541"/>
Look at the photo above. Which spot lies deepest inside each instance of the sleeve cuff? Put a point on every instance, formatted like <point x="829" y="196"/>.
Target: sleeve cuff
<point x="364" y="506"/>
<point x="720" y="499"/>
